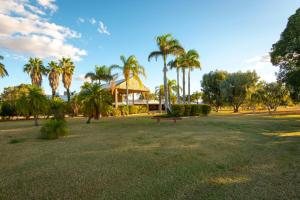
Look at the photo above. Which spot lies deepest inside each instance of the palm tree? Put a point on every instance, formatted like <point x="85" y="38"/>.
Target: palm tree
<point x="172" y="87"/>
<point x="68" y="70"/>
<point x="89" y="97"/>
<point x="36" y="70"/>
<point x="101" y="73"/>
<point x="196" y="96"/>
<point x="167" y="46"/>
<point x="37" y="101"/>
<point x="130" y="68"/>
<point x="53" y="76"/>
<point x="193" y="62"/>
<point x="159" y="91"/>
<point x="3" y="71"/>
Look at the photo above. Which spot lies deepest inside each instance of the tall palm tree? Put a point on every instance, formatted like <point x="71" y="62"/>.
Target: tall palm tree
<point x="193" y="62"/>
<point x="68" y="70"/>
<point x="101" y="73"/>
<point x="3" y="71"/>
<point x="167" y="45"/>
<point x="172" y="87"/>
<point x="54" y="73"/>
<point x="36" y="70"/>
<point x="130" y="68"/>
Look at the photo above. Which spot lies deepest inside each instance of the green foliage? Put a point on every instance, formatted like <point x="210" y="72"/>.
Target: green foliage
<point x="205" y="109"/>
<point x="124" y="109"/>
<point x="116" y="112"/>
<point x="107" y="111"/>
<point x="187" y="110"/>
<point x="58" y="108"/>
<point x="133" y="109"/>
<point x="178" y="110"/>
<point x="211" y="87"/>
<point x="7" y="109"/>
<point x="196" y="109"/>
<point x="286" y="54"/>
<point x="53" y="129"/>
<point x="16" y="141"/>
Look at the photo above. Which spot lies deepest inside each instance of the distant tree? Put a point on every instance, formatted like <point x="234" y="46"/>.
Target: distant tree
<point x="196" y="96"/>
<point x="102" y="73"/>
<point x="54" y="73"/>
<point x="3" y="71"/>
<point x="68" y="68"/>
<point x="237" y="86"/>
<point x="159" y="92"/>
<point x="286" y="54"/>
<point x="273" y="95"/>
<point x="130" y="68"/>
<point x="211" y="88"/>
<point x="172" y="87"/>
<point x="75" y="105"/>
<point x="36" y="70"/>
<point x="148" y="97"/>
<point x="167" y="45"/>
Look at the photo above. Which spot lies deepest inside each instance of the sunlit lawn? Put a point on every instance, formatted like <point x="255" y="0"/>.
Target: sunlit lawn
<point x="215" y="157"/>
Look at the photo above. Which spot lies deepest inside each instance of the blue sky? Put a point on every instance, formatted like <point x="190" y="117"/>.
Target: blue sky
<point x="230" y="35"/>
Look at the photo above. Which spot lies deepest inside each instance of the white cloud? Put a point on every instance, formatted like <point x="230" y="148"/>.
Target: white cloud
<point x="48" y="4"/>
<point x="81" y="77"/>
<point x="80" y="20"/>
<point x="102" y="28"/>
<point x="92" y="21"/>
<point x="24" y="29"/>
<point x="263" y="66"/>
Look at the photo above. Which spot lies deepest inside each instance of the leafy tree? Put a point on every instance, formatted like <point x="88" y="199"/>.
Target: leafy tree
<point x="159" y="92"/>
<point x="36" y="70"/>
<point x="53" y="76"/>
<point x="89" y="97"/>
<point x="237" y="86"/>
<point x="130" y="68"/>
<point x="75" y="105"/>
<point x="8" y="109"/>
<point x="167" y="45"/>
<point x="68" y="68"/>
<point x="286" y="54"/>
<point x="172" y="87"/>
<point x="211" y="88"/>
<point x="3" y="71"/>
<point x="273" y="95"/>
<point x="196" y="96"/>
<point x="102" y="73"/>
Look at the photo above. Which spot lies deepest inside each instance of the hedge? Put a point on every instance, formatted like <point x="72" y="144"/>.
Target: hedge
<point x="179" y="110"/>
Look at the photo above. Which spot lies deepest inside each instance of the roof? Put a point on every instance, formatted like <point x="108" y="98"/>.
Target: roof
<point x="133" y="85"/>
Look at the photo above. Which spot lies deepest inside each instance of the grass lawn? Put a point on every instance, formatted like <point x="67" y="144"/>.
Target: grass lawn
<point x="215" y="157"/>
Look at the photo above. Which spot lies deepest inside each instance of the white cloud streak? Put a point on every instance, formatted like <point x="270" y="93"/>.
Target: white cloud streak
<point x="102" y="28"/>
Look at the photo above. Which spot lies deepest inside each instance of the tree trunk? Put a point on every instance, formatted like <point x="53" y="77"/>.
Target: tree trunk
<point x="167" y="107"/>
<point x="178" y="94"/>
<point x="235" y="109"/>
<point x="36" y="123"/>
<point x="127" y="94"/>
<point x="89" y="120"/>
<point x="160" y="107"/>
<point x="53" y="93"/>
<point x="97" y="111"/>
<point x="189" y="86"/>
<point x="68" y="94"/>
<point x="183" y="85"/>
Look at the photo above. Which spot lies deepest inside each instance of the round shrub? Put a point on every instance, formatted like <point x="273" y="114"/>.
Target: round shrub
<point x="178" y="110"/>
<point x="133" y="109"/>
<point x="107" y="110"/>
<point x="187" y="110"/>
<point x="116" y="112"/>
<point x="58" y="108"/>
<point x="54" y="129"/>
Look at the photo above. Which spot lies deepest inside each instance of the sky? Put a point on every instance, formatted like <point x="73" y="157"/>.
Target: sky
<point x="229" y="35"/>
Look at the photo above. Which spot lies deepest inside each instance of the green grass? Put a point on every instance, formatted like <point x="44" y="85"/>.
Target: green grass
<point x="215" y="157"/>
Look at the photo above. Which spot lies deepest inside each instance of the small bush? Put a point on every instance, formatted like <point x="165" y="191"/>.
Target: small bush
<point x="58" y="108"/>
<point x="196" y="110"/>
<point x="206" y="109"/>
<point x="133" y="109"/>
<point x="116" y="112"/>
<point x="178" y="110"/>
<point x="187" y="110"/>
<point x="107" y="111"/>
<point x="143" y="109"/>
<point x="54" y="129"/>
<point x="15" y="141"/>
<point x="124" y="110"/>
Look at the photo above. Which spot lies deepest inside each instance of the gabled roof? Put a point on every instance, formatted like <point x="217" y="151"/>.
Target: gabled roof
<point x="133" y="85"/>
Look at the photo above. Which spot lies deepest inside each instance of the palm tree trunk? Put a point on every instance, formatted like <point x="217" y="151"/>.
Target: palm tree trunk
<point x="183" y="85"/>
<point x="189" y="86"/>
<point x="127" y="94"/>
<point x="53" y="93"/>
<point x="68" y="94"/>
<point x="178" y="95"/>
<point x="167" y="107"/>
<point x="160" y="108"/>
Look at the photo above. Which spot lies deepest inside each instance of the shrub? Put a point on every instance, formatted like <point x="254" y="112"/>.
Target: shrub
<point x="133" y="109"/>
<point x="143" y="109"/>
<point x="206" y="109"/>
<point x="15" y="141"/>
<point x="107" y="110"/>
<point x="116" y="112"/>
<point x="124" y="109"/>
<point x="178" y="110"/>
<point x="7" y="109"/>
<point x="58" y="108"/>
<point x="187" y="110"/>
<point x="196" y="110"/>
<point x="54" y="129"/>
